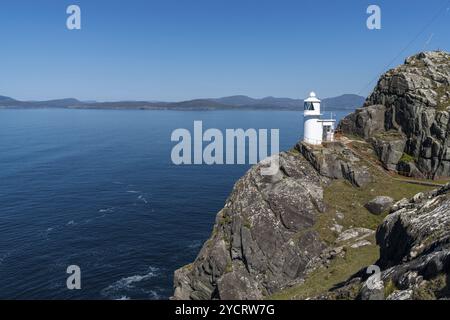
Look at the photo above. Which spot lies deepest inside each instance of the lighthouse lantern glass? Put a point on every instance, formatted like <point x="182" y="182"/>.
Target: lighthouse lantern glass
<point x="309" y="106"/>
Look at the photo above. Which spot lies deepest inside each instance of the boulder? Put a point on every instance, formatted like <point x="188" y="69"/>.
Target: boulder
<point x="379" y="204"/>
<point x="365" y="122"/>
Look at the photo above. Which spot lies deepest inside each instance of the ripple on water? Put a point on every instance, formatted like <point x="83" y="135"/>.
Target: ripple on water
<point x="127" y="286"/>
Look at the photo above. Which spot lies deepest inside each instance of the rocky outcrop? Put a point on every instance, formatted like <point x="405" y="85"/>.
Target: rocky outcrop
<point x="336" y="161"/>
<point x="262" y="238"/>
<point x="407" y="117"/>
<point x="414" y="259"/>
<point x="416" y="229"/>
<point x="365" y="122"/>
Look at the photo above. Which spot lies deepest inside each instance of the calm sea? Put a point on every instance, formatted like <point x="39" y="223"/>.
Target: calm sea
<point x="98" y="189"/>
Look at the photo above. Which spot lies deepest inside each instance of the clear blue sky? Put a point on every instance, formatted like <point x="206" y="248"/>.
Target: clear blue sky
<point x="175" y="50"/>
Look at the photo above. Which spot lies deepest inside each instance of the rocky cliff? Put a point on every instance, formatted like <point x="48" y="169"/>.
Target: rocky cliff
<point x="406" y="118"/>
<point x="262" y="238"/>
<point x="414" y="258"/>
<point x="311" y="230"/>
<point x="267" y="236"/>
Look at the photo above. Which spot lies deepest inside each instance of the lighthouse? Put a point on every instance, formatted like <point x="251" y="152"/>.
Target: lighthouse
<point x="316" y="130"/>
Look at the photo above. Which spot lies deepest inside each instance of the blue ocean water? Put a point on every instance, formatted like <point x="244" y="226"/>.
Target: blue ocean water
<point x="97" y="189"/>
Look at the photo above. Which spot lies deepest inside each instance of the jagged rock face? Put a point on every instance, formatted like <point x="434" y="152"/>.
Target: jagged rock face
<point x="336" y="161"/>
<point x="365" y="122"/>
<point x="414" y="245"/>
<point x="421" y="226"/>
<point x="413" y="101"/>
<point x="262" y="238"/>
<point x="415" y="248"/>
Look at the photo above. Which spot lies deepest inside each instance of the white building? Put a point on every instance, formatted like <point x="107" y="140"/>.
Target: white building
<point x="316" y="129"/>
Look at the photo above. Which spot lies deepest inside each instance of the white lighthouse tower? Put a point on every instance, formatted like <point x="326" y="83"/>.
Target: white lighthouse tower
<point x="316" y="130"/>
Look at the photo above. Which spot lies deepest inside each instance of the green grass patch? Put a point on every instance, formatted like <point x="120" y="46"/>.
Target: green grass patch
<point x="391" y="135"/>
<point x="229" y="268"/>
<point x="341" y="196"/>
<point x="389" y="288"/>
<point x="247" y="223"/>
<point x="225" y="219"/>
<point x="407" y="158"/>
<point x="189" y="267"/>
<point x="443" y="103"/>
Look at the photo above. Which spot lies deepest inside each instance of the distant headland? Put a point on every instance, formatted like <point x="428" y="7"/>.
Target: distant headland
<point x="239" y="102"/>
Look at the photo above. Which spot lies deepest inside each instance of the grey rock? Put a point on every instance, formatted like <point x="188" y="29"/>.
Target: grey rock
<point x="354" y="234"/>
<point x="409" y="169"/>
<point x="340" y="215"/>
<point x="412" y="100"/>
<point x="336" y="161"/>
<point x="372" y="289"/>
<point x="379" y="204"/>
<point x="389" y="148"/>
<point x="237" y="285"/>
<point x="360" y="244"/>
<point x="403" y="203"/>
<point x="365" y="122"/>
<point x="337" y="227"/>
<point x="409" y="232"/>
<point x="401" y="295"/>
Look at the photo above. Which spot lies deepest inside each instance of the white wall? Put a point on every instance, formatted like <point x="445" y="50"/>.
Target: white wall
<point x="313" y="131"/>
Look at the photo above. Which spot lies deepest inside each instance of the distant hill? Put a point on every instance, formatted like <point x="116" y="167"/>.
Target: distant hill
<point x="235" y="100"/>
<point x="343" y="102"/>
<point x="60" y="103"/>
<point x="239" y="102"/>
<point x="6" y="99"/>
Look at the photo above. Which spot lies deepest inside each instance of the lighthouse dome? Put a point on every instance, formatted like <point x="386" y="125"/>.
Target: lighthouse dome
<point x="312" y="97"/>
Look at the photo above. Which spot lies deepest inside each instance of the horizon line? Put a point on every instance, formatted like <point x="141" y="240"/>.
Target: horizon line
<point x="171" y="101"/>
